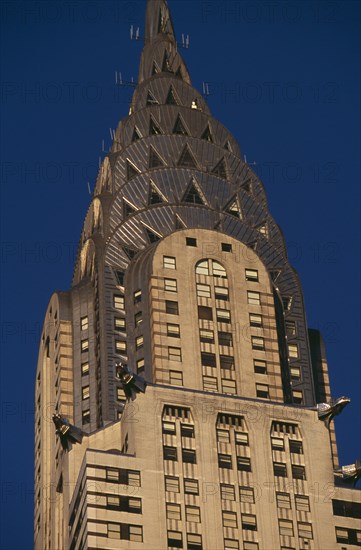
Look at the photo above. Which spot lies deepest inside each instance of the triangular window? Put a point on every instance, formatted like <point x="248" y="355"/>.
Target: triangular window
<point x="154" y="195"/>
<point x="220" y="169"/>
<point x="207" y="134"/>
<point x="130" y="252"/>
<point x="179" y="127"/>
<point x="179" y="72"/>
<point x="152" y="236"/>
<point x="151" y="99"/>
<point x="233" y="208"/>
<point x="154" y="159"/>
<point x="247" y="186"/>
<point x="179" y="223"/>
<point x="131" y="170"/>
<point x="154" y="129"/>
<point x="253" y="245"/>
<point x="192" y="194"/>
<point x="263" y="229"/>
<point x="275" y="273"/>
<point x="136" y="134"/>
<point x="128" y="209"/>
<point x="227" y="146"/>
<point x="166" y="65"/>
<point x="155" y="69"/>
<point x="170" y="98"/>
<point x="187" y="159"/>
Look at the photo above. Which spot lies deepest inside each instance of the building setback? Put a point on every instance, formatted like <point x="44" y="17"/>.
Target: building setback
<point x="182" y="275"/>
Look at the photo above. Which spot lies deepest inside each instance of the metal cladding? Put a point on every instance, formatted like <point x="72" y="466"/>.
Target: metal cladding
<point x="132" y="383"/>
<point x="327" y="411"/>
<point x="67" y="433"/>
<point x="350" y="474"/>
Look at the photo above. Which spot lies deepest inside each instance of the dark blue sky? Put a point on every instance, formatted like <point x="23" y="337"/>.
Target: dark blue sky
<point x="284" y="79"/>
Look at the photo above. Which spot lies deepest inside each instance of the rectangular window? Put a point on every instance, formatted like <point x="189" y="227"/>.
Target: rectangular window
<point x="190" y="241"/>
<point x="223" y="436"/>
<point x="113" y="531"/>
<point x="293" y="351"/>
<point x="174" y="354"/>
<point x="121" y="395"/>
<point x="120" y="277"/>
<point x="84" y="323"/>
<point x="171" y="307"/>
<point x="170" y="453"/>
<point x="251" y="275"/>
<point x="246" y="494"/>
<point x="225" y="461"/>
<point x="173" y="511"/>
<point x="112" y="474"/>
<point x="290" y="328"/>
<point x="225" y="339"/>
<point x="298" y="472"/>
<point x="244" y="464"/>
<point x="283" y="500"/>
<point x="86" y="416"/>
<point x="168" y="427"/>
<point x="113" y="501"/>
<point x="231" y="544"/>
<point x="194" y="542"/>
<point x="227" y="492"/>
<point x="279" y="469"/>
<point x="295" y="373"/>
<point x="121" y="347"/>
<point x="187" y="430"/>
<point x="248" y="545"/>
<point x="84" y="346"/>
<point x="257" y="343"/>
<point x="302" y="503"/>
<point x="285" y="527"/>
<point x="132" y="505"/>
<point x="191" y="487"/>
<point x="241" y="438"/>
<point x="170" y="285"/>
<point x="193" y="513"/>
<point x="297" y="396"/>
<point x="260" y="367"/>
<point x="223" y="315"/>
<point x="175" y="539"/>
<point x="132" y="477"/>
<point x="118" y="301"/>
<point x="346" y="508"/>
<point x="255" y="320"/>
<point x="85" y="391"/>
<point x="203" y="291"/>
<point x="226" y="362"/>
<point x="205" y="312"/>
<point x="169" y="262"/>
<point x="189" y="456"/>
<point x="172" y="484"/>
<point x="210" y="383"/>
<point x="119" y="324"/>
<point x="229" y="519"/>
<point x="254" y="298"/>
<point x="226" y="247"/>
<point x="249" y="522"/>
<point x="85" y="369"/>
<point x="221" y="293"/>
<point x="208" y="359"/>
<point x="140" y="366"/>
<point x="305" y="530"/>
<point x="277" y="444"/>
<point x="229" y="386"/>
<point x="173" y="330"/>
<point x="342" y="535"/>
<point x="206" y="336"/>
<point x="262" y="391"/>
<point x="138" y="318"/>
<point x="175" y="378"/>
<point x="296" y="447"/>
<point x="137" y="296"/>
<point x="139" y="342"/>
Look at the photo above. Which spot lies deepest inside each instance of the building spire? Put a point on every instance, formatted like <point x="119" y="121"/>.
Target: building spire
<point x="160" y="53"/>
<point x="158" y="21"/>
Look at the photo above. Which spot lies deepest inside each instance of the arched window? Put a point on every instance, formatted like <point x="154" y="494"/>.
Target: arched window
<point x="211" y="267"/>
